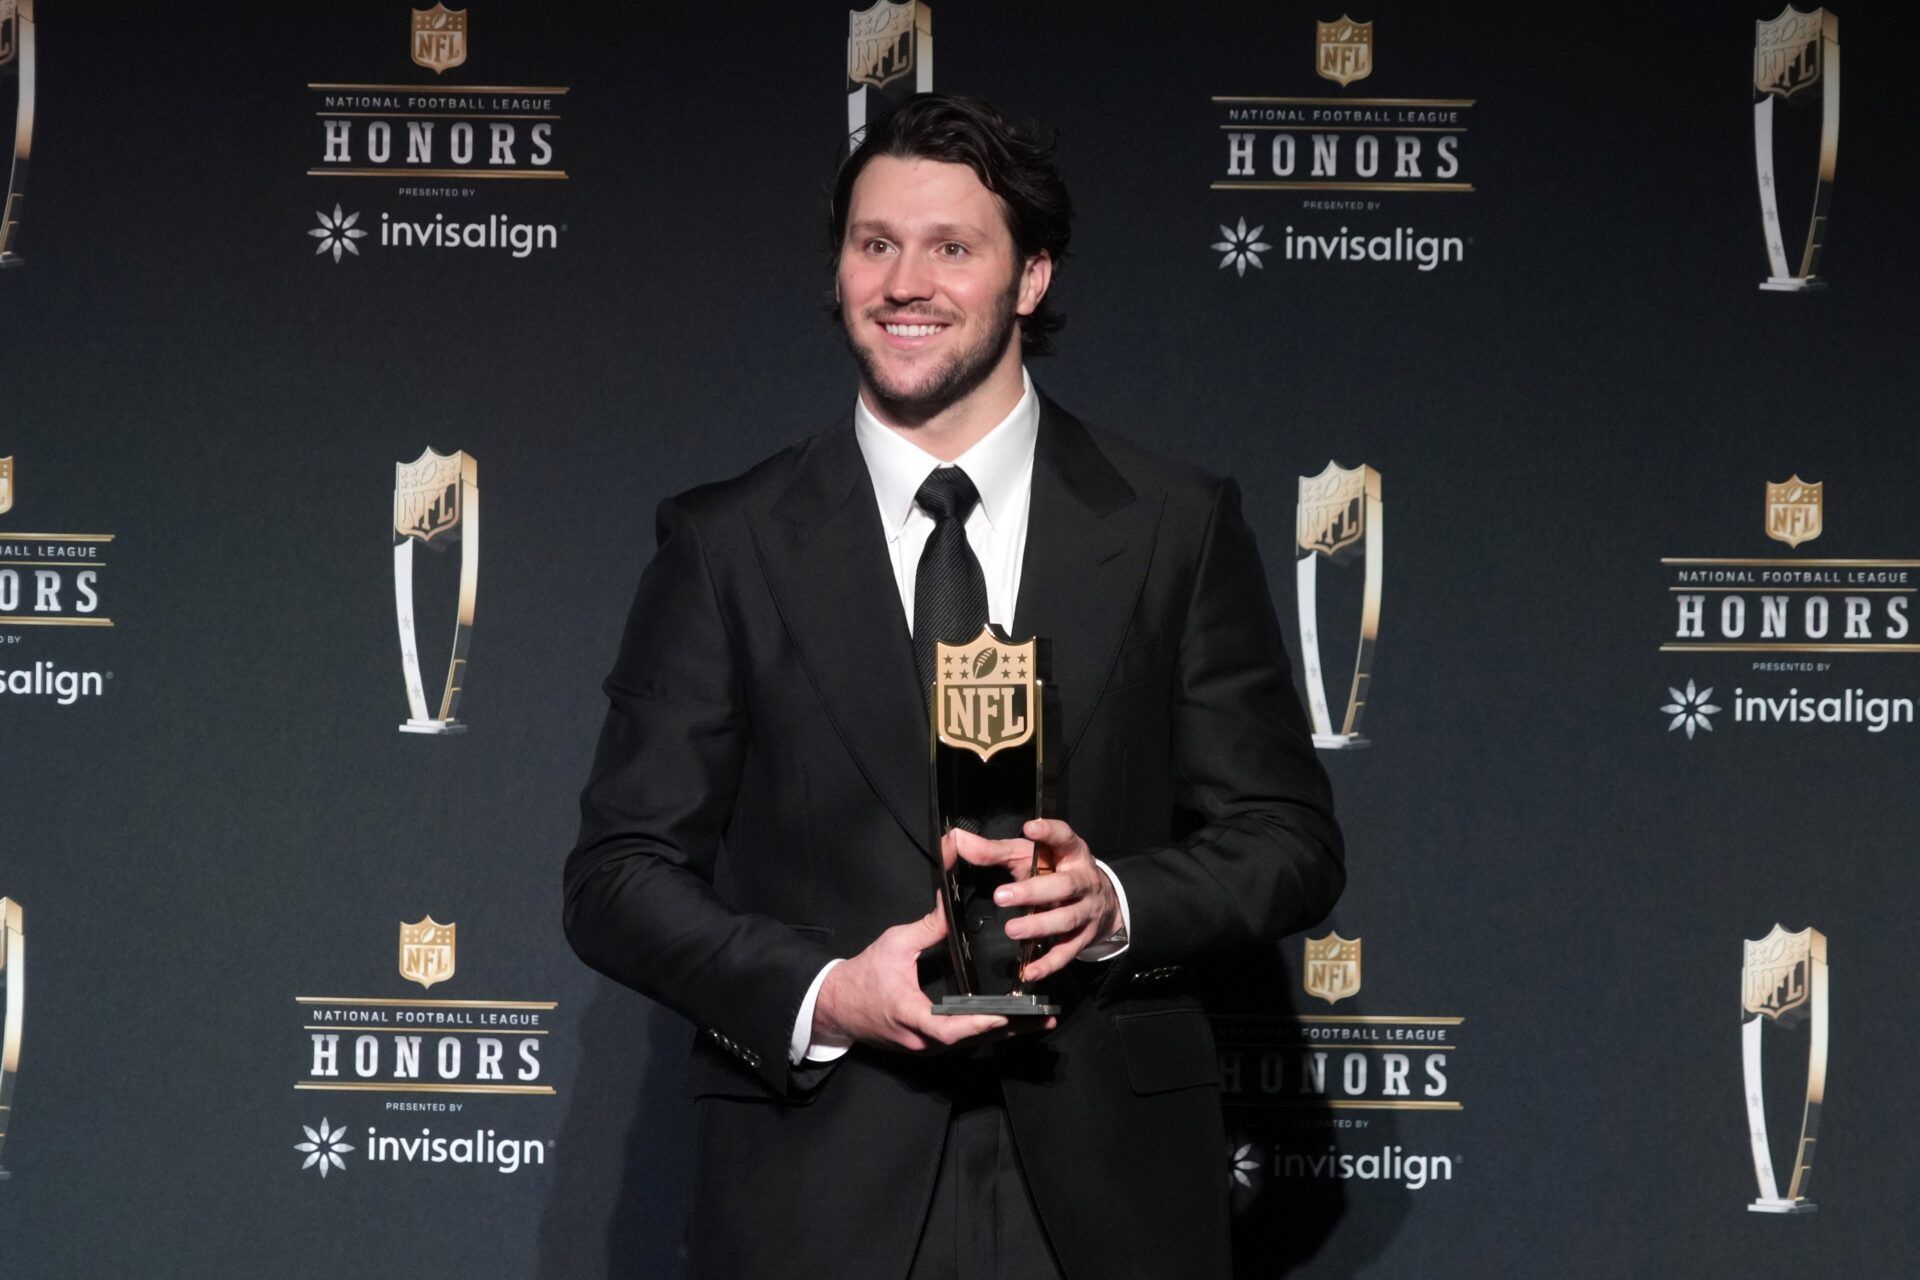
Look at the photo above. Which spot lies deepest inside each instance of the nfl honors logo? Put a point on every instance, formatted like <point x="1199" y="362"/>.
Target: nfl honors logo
<point x="439" y="37"/>
<point x="986" y="693"/>
<point x="6" y="475"/>
<point x="1332" y="970"/>
<point x="1794" y="511"/>
<point x="1333" y="509"/>
<point x="1344" y="52"/>
<point x="426" y="951"/>
<point x="1786" y="52"/>
<point x="426" y="495"/>
<point x="1775" y="972"/>
<point x="880" y="41"/>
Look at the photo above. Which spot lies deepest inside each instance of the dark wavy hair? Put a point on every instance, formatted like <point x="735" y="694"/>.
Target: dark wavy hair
<point x="1013" y="160"/>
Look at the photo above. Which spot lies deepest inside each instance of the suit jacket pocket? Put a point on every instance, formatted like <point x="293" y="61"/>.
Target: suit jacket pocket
<point x="1168" y="1049"/>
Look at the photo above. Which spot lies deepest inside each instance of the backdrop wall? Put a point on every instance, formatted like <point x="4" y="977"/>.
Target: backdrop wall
<point x="1510" y="263"/>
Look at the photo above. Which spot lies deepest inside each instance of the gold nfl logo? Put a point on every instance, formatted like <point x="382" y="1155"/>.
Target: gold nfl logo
<point x="1332" y="967"/>
<point x="985" y="693"/>
<point x="1345" y="50"/>
<point x="426" y="951"/>
<point x="439" y="37"/>
<point x="1786" y="52"/>
<point x="1794" y="511"/>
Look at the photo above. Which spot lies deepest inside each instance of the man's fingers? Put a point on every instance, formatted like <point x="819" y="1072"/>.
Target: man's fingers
<point x="951" y="1029"/>
<point x="1047" y="965"/>
<point x="982" y="852"/>
<point x="1059" y="923"/>
<point x="1040" y="891"/>
<point x="1051" y="830"/>
<point x="930" y="930"/>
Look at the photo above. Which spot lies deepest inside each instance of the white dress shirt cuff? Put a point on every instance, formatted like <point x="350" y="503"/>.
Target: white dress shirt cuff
<point x="805" y="1046"/>
<point x="1118" y="941"/>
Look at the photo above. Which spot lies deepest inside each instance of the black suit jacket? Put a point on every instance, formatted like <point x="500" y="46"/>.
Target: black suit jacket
<point x="758" y="806"/>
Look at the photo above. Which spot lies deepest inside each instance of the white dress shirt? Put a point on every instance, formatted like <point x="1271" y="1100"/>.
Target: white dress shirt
<point x="1000" y="464"/>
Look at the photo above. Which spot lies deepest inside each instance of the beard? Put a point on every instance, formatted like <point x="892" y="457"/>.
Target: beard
<point x="953" y="378"/>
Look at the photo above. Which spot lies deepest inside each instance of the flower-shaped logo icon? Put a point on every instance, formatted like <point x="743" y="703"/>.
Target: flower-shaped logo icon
<point x="1690" y="709"/>
<point x="323" y="1147"/>
<point x="1241" y="246"/>
<point x="337" y="233"/>
<point x="1242" y="1165"/>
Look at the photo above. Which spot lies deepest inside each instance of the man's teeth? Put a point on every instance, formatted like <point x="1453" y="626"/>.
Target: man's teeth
<point x="913" y="330"/>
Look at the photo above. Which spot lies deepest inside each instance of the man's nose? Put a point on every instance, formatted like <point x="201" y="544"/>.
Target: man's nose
<point x="909" y="280"/>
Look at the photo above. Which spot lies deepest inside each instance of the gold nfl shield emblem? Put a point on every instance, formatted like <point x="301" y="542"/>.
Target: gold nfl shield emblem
<point x="1345" y="50"/>
<point x="1786" y="52"/>
<point x="1793" y="511"/>
<point x="426" y="497"/>
<point x="1332" y="969"/>
<point x="439" y="37"/>
<point x="426" y="951"/>
<point x="1333" y="510"/>
<point x="984" y="693"/>
<point x="1774" y="975"/>
<point x="6" y="473"/>
<point x="880" y="42"/>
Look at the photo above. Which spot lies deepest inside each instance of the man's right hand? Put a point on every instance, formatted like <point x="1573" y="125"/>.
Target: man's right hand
<point x="875" y="998"/>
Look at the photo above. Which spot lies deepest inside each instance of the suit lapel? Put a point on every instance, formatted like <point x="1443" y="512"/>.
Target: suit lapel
<point x="824" y="554"/>
<point x="1089" y="540"/>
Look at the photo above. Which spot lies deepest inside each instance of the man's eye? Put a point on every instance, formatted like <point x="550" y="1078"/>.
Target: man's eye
<point x="952" y="250"/>
<point x="877" y="246"/>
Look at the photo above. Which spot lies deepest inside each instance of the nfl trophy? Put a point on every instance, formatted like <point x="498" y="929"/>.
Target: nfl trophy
<point x="1793" y="53"/>
<point x="1783" y="979"/>
<point x="17" y="61"/>
<point x="13" y="1008"/>
<point x="887" y="42"/>
<point x="1340" y="519"/>
<point x="436" y="503"/>
<point x="987" y="736"/>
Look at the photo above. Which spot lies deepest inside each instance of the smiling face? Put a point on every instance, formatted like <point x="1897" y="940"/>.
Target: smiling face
<point x="930" y="283"/>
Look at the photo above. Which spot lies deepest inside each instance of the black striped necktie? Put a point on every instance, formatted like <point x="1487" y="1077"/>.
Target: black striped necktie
<point x="949" y="591"/>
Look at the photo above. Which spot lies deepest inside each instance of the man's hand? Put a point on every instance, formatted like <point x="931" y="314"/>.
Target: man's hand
<point x="1074" y="905"/>
<point x="875" y="998"/>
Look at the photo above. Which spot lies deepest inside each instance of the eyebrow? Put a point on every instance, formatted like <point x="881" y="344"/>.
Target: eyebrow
<point x="939" y="230"/>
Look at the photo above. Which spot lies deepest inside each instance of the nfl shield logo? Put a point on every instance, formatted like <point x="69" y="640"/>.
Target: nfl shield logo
<point x="880" y="42"/>
<point x="984" y="693"/>
<point x="1333" y="509"/>
<point x="439" y="37"/>
<point x="1332" y="967"/>
<point x="1774" y="974"/>
<point x="1793" y="511"/>
<point x="426" y="951"/>
<point x="1345" y="50"/>
<point x="1786" y="52"/>
<point x="426" y="497"/>
<point x="6" y="485"/>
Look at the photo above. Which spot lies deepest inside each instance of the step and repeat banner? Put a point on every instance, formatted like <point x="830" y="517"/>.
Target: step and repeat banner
<point x="1566" y="364"/>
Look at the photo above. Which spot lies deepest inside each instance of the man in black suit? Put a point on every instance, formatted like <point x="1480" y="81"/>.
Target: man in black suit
<point x="754" y="849"/>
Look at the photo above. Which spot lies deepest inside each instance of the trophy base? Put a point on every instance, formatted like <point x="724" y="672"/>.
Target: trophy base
<point x="10" y="260"/>
<point x="433" y="726"/>
<point x="1027" y="1006"/>
<point x="1340" y="741"/>
<point x="1791" y="284"/>
<point x="1781" y="1206"/>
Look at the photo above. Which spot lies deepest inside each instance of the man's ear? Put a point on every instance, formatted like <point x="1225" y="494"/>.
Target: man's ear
<point x="1036" y="273"/>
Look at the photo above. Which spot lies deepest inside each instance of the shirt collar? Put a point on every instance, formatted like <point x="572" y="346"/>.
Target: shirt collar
<point x="997" y="462"/>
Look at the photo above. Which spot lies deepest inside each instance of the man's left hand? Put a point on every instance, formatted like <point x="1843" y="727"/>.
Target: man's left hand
<point x="1073" y="906"/>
